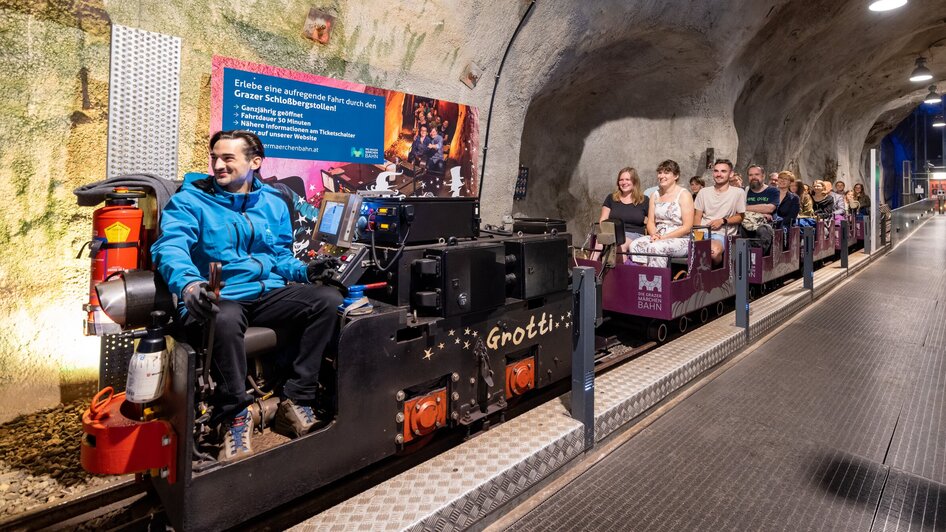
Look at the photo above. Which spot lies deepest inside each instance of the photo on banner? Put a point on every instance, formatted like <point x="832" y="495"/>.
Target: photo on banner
<point x="328" y="135"/>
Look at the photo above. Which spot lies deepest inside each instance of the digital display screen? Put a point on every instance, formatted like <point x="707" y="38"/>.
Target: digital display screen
<point x="331" y="217"/>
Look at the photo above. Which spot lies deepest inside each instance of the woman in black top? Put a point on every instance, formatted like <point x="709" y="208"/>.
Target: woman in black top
<point x="788" y="204"/>
<point x="628" y="204"/>
<point x="821" y="200"/>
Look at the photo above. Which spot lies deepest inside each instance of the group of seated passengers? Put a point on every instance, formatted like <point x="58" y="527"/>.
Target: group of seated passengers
<point x="658" y="227"/>
<point x="825" y="201"/>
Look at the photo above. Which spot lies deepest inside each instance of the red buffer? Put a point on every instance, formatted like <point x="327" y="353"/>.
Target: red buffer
<point x="114" y="444"/>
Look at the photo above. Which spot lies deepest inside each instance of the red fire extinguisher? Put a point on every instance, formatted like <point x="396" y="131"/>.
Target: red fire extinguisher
<point x="115" y="246"/>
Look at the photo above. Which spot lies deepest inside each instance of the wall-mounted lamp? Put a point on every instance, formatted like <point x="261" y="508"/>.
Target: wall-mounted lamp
<point x="938" y="121"/>
<point x="932" y="97"/>
<point x="921" y="73"/>
<point x="886" y="5"/>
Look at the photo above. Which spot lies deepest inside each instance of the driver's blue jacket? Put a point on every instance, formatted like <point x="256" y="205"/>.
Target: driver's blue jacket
<point x="250" y="234"/>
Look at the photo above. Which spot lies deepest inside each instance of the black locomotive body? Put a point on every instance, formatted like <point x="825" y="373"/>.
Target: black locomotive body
<point x="453" y="330"/>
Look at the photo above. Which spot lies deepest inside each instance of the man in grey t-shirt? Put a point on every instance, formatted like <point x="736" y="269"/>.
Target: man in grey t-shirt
<point x="720" y="207"/>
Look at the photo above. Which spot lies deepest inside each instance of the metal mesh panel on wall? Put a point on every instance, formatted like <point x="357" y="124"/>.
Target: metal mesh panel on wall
<point x="143" y="103"/>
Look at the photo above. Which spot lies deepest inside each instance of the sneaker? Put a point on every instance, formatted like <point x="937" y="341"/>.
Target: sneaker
<point x="294" y="420"/>
<point x="236" y="437"/>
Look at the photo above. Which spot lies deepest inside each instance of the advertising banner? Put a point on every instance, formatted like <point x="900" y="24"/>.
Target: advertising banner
<point x="328" y="135"/>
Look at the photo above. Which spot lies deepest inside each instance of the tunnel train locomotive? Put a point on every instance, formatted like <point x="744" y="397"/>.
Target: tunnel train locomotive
<point x="444" y="325"/>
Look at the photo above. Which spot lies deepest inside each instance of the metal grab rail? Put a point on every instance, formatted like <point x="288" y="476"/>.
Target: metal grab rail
<point x="904" y="220"/>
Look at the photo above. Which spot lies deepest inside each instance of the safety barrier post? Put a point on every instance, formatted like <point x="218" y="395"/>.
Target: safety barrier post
<point x="845" y="227"/>
<point x="583" y="355"/>
<point x="809" y="273"/>
<point x="742" y="284"/>
<point x="868" y="243"/>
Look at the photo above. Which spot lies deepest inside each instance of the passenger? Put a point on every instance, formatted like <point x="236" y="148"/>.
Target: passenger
<point x="735" y="180"/>
<point x="696" y="184"/>
<point x="669" y="220"/>
<point x="721" y="208"/>
<point x="806" y="210"/>
<point x="761" y="203"/>
<point x="233" y="218"/>
<point x="773" y="180"/>
<point x="627" y="203"/>
<point x="821" y="200"/>
<point x="863" y="200"/>
<point x="789" y="204"/>
<point x="852" y="204"/>
<point x="840" y="204"/>
<point x="761" y="198"/>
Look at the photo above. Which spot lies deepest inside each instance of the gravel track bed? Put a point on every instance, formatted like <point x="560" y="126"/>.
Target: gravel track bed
<point x="39" y="459"/>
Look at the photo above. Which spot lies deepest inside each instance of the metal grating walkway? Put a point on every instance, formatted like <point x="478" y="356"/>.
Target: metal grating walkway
<point x="838" y="422"/>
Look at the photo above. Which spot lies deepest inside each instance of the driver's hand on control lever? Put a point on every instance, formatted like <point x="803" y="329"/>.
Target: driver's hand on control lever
<point x="200" y="300"/>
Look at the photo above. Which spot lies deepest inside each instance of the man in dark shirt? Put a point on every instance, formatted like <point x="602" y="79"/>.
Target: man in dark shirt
<point x="760" y="197"/>
<point x="763" y="200"/>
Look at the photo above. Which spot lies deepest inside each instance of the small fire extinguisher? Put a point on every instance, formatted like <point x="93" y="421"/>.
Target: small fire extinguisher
<point x="148" y="365"/>
<point x="115" y="246"/>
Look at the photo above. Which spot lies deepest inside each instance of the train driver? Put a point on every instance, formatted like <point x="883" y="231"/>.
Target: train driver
<point x="721" y="207"/>
<point x="231" y="217"/>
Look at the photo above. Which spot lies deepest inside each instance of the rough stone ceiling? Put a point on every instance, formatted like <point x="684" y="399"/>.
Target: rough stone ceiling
<point x="792" y="83"/>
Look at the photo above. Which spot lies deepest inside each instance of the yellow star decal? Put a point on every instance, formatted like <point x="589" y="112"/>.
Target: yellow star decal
<point x="429" y="352"/>
<point x="456" y="341"/>
<point x="466" y="345"/>
<point x="450" y="332"/>
<point x="440" y="345"/>
<point x="474" y="334"/>
<point x="466" y="331"/>
<point x="557" y="324"/>
<point x="568" y="314"/>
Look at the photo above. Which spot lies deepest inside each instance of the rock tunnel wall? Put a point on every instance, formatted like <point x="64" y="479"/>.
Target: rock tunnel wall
<point x="588" y="87"/>
<point x="806" y="86"/>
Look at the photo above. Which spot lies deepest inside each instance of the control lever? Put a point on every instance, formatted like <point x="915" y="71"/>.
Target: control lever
<point x="486" y="374"/>
<point x="214" y="282"/>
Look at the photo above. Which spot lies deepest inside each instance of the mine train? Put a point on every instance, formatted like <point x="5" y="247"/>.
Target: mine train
<point x="444" y="326"/>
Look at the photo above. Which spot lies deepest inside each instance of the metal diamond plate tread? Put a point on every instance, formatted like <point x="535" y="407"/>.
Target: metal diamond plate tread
<point x="466" y="482"/>
<point x="911" y="503"/>
<point x="827" y="277"/>
<point x="796" y="435"/>
<point x="627" y="391"/>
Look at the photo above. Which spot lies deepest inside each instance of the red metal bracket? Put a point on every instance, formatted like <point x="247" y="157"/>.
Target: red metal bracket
<point x="114" y="444"/>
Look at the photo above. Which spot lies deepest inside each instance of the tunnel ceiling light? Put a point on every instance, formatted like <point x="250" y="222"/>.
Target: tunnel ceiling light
<point x="932" y="97"/>
<point x="886" y="5"/>
<point x="938" y="121"/>
<point x="921" y="73"/>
